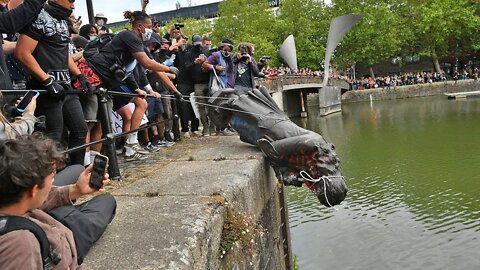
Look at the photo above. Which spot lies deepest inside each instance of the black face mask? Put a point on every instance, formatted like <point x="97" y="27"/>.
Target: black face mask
<point x="162" y="53"/>
<point x="57" y="11"/>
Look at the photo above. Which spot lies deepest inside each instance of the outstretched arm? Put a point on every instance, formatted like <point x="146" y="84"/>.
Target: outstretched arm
<point x="149" y="63"/>
<point x="21" y="16"/>
<point x="164" y="78"/>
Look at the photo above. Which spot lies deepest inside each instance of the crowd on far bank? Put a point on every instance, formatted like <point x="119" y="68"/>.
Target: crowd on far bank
<point x="411" y="78"/>
<point x="286" y="71"/>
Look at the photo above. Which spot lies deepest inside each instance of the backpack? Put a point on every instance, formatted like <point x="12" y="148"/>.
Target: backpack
<point x="93" y="47"/>
<point x="14" y="223"/>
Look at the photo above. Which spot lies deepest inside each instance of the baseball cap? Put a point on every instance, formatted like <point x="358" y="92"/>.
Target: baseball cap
<point x="197" y="40"/>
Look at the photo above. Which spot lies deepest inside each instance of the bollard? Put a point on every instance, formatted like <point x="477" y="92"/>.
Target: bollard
<point x="109" y="147"/>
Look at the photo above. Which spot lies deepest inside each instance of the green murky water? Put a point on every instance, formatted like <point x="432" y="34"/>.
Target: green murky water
<point x="413" y="170"/>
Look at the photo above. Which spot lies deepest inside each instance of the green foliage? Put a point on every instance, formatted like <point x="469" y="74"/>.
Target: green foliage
<point x="241" y="232"/>
<point x="440" y="25"/>
<point x="389" y="28"/>
<point x="379" y="35"/>
<point x="120" y="28"/>
<point x="247" y="21"/>
<point x="192" y="26"/>
<point x="308" y="22"/>
<point x="295" y="263"/>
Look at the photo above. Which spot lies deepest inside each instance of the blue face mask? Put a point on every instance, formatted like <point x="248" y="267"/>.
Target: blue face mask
<point x="92" y="38"/>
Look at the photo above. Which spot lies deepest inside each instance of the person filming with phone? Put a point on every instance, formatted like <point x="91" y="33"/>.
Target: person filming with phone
<point x="24" y="124"/>
<point x="40" y="227"/>
<point x="246" y="68"/>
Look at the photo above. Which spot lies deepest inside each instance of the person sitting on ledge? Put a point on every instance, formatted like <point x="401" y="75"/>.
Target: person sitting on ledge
<point x="27" y="170"/>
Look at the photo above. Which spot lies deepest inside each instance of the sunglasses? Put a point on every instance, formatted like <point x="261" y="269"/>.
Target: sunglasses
<point x="71" y="1"/>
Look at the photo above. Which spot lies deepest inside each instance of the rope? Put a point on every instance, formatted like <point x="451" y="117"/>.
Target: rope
<point x="308" y="177"/>
<point x="229" y="109"/>
<point x="77" y="92"/>
<point x="68" y="151"/>
<point x="207" y="97"/>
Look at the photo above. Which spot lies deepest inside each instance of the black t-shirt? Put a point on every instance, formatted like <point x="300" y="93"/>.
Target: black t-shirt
<point x="51" y="52"/>
<point x="124" y="44"/>
<point x="244" y="75"/>
<point x="118" y="51"/>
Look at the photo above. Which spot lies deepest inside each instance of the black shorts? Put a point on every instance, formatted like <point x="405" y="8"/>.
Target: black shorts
<point x="120" y="101"/>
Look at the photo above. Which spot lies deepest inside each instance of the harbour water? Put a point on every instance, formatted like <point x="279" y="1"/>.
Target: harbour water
<point x="413" y="171"/>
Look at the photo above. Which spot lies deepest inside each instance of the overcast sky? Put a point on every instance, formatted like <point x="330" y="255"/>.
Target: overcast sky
<point x="114" y="9"/>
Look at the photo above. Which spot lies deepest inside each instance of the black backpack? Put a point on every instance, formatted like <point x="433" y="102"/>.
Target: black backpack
<point x="94" y="47"/>
<point x="14" y="223"/>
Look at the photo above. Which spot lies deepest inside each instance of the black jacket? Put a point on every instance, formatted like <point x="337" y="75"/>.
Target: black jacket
<point x="185" y="75"/>
<point x="11" y="22"/>
<point x="195" y="70"/>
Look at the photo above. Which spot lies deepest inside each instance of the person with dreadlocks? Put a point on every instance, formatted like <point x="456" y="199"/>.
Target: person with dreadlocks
<point x="115" y="64"/>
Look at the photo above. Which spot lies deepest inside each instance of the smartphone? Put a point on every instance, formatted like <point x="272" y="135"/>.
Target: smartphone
<point x="27" y="98"/>
<point x="100" y="164"/>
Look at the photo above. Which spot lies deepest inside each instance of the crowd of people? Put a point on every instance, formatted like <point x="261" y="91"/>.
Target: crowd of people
<point x="410" y="78"/>
<point x="286" y="71"/>
<point x="146" y="74"/>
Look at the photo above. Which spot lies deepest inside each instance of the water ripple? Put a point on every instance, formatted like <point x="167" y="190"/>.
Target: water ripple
<point x="413" y="198"/>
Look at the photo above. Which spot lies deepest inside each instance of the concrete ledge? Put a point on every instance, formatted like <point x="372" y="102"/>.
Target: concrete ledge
<point x="409" y="91"/>
<point x="173" y="218"/>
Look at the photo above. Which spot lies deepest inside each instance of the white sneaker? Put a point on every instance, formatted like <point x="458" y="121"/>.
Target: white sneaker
<point x="227" y="132"/>
<point x="135" y="157"/>
<point x="187" y="134"/>
<point x="137" y="148"/>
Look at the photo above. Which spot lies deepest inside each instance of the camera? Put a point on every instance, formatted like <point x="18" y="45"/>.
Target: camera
<point x="178" y="25"/>
<point x="118" y="72"/>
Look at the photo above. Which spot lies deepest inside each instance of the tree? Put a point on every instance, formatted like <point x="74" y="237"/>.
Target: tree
<point x="308" y="22"/>
<point x="247" y="21"/>
<point x="379" y="35"/>
<point x="192" y="26"/>
<point x="446" y="27"/>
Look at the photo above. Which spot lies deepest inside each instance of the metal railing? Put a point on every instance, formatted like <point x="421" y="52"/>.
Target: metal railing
<point x="276" y="84"/>
<point x="108" y="137"/>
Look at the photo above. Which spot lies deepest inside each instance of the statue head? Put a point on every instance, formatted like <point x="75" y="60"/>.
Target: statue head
<point x="309" y="160"/>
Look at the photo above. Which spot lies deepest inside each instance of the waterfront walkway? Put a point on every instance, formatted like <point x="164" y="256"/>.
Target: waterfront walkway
<point x="171" y="207"/>
<point x="410" y="91"/>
